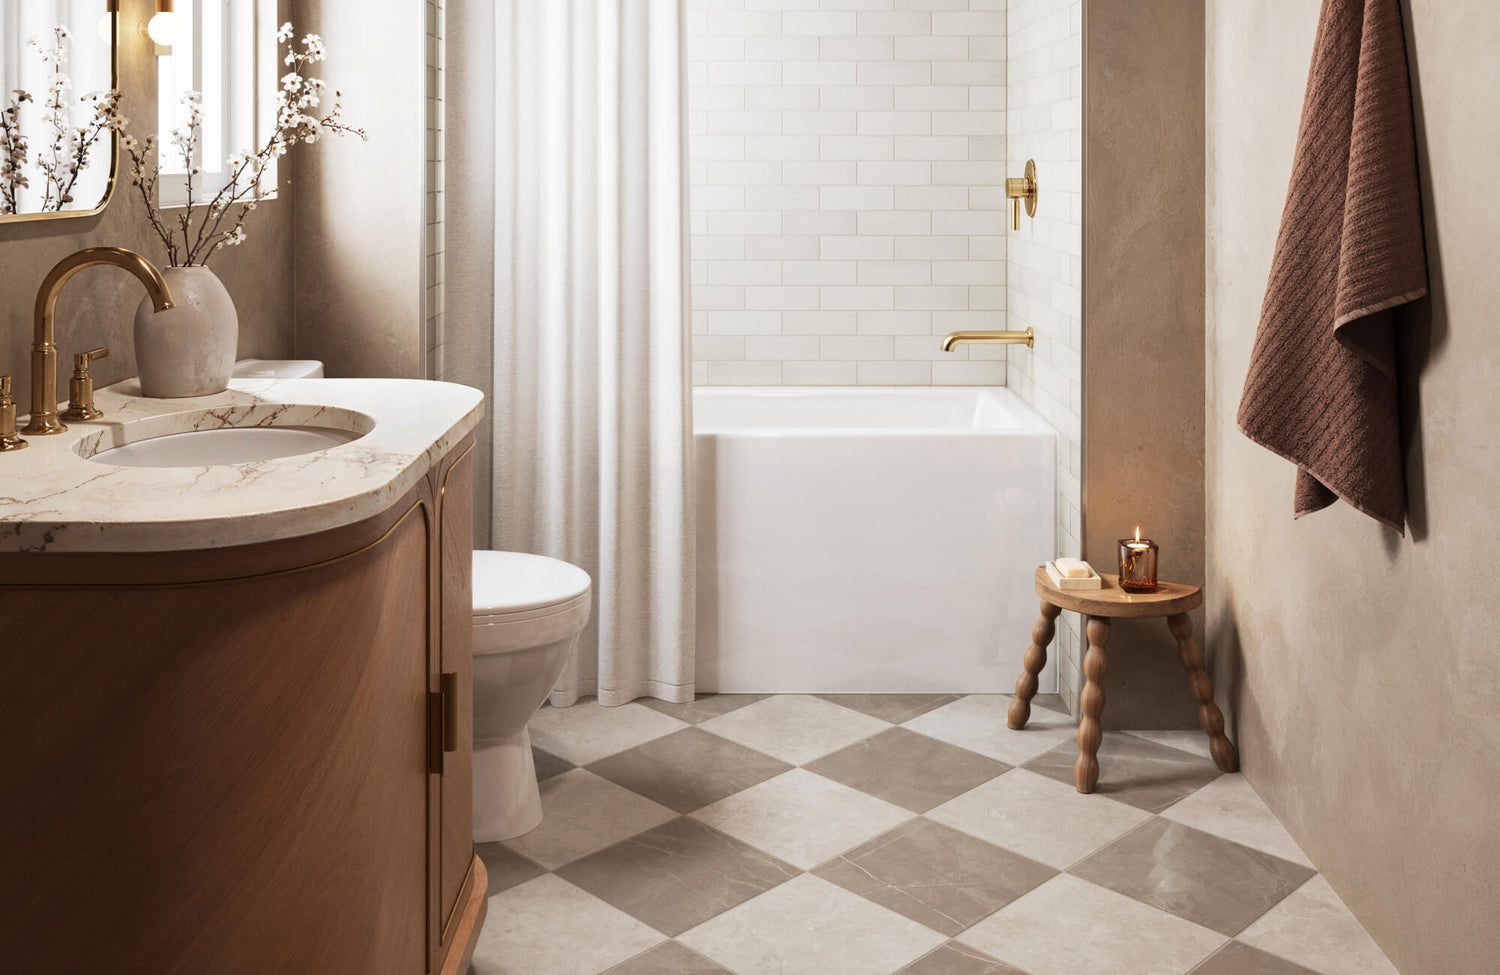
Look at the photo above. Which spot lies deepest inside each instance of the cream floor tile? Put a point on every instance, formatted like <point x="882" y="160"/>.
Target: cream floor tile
<point x="808" y="926"/>
<point x="1189" y="741"/>
<point x="1229" y="808"/>
<point x="795" y="728"/>
<point x="582" y="813"/>
<point x="977" y="722"/>
<point x="1312" y="927"/>
<point x="1039" y="817"/>
<point x="587" y="732"/>
<point x="802" y="818"/>
<point x="1068" y="926"/>
<point x="547" y="926"/>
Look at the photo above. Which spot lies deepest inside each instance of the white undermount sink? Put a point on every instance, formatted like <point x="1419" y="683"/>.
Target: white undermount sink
<point x="232" y="445"/>
<point x="242" y="435"/>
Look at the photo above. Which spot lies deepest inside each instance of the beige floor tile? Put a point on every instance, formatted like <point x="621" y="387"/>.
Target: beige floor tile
<point x="1070" y="927"/>
<point x="669" y="959"/>
<point x="1038" y="817"/>
<point x="1228" y="807"/>
<point x="581" y="813"/>
<point x="802" y="818"/>
<point x="808" y="926"/>
<point x="1313" y="928"/>
<point x="894" y="708"/>
<point x="547" y="926"/>
<point x="587" y="732"/>
<point x="1134" y="771"/>
<point x="795" y="728"/>
<point x="1194" y="741"/>
<point x="977" y="722"/>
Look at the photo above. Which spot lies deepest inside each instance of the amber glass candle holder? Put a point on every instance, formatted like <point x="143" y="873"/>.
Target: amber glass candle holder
<point x="1138" y="565"/>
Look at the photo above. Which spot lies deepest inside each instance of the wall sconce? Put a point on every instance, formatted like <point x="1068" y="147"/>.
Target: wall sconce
<point x="107" y="22"/>
<point x="162" y="27"/>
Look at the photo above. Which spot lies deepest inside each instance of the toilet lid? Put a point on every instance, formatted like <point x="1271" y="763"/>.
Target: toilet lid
<point x="513" y="582"/>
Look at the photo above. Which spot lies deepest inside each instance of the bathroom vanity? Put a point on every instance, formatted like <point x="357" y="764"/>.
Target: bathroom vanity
<point x="235" y="710"/>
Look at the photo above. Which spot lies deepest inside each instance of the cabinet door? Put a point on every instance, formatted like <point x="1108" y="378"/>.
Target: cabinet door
<point x="456" y="658"/>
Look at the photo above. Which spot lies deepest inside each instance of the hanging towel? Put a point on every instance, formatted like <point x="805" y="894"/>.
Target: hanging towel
<point x="1321" y="390"/>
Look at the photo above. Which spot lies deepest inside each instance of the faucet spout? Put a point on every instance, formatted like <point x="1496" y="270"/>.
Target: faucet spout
<point x="44" y="420"/>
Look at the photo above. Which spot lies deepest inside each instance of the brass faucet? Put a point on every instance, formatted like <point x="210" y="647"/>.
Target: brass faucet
<point x="44" y="419"/>
<point x="1026" y="338"/>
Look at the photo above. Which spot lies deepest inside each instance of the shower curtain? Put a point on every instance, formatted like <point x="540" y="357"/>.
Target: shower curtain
<point x="592" y="395"/>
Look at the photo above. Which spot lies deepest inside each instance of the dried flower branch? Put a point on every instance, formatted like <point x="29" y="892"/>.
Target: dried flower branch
<point x="199" y="230"/>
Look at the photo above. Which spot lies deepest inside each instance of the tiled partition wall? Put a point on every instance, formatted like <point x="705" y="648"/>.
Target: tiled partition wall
<point x="1045" y="273"/>
<point x="436" y="244"/>
<point x="847" y="161"/>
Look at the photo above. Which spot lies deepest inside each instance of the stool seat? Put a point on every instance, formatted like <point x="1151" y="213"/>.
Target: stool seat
<point x="1172" y="600"/>
<point x="1112" y="602"/>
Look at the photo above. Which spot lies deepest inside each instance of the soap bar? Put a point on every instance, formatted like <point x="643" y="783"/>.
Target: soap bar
<point x="1073" y="568"/>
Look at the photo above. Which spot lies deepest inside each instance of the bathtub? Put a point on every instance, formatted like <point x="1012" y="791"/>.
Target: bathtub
<point x="869" y="539"/>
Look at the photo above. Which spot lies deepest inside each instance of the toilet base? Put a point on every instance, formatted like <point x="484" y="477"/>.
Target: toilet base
<point x="507" y="802"/>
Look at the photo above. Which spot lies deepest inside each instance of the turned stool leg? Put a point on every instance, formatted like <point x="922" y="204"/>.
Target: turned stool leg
<point x="1091" y="703"/>
<point x="1209" y="715"/>
<point x="1035" y="660"/>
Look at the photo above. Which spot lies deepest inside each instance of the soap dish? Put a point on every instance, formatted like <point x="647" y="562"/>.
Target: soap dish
<point x="1060" y="581"/>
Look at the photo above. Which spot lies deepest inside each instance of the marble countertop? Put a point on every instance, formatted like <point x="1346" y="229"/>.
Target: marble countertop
<point x="54" y="499"/>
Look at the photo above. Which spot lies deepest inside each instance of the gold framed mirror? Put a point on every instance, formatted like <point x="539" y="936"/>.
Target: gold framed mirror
<point x="59" y="86"/>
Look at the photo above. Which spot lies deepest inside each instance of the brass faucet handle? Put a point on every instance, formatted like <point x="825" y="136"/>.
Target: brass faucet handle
<point x="81" y="387"/>
<point x="82" y="359"/>
<point x="1019" y="189"/>
<point x="9" y="439"/>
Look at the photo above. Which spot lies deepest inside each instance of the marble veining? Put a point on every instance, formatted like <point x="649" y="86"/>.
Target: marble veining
<point x="54" y="499"/>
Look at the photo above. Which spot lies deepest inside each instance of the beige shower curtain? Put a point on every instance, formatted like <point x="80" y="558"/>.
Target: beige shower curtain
<point x="592" y="397"/>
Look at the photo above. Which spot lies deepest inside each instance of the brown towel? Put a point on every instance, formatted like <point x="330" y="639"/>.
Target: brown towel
<point x="1321" y="390"/>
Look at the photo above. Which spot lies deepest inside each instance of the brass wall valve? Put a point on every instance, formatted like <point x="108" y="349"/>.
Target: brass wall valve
<point x="1022" y="189"/>
<point x="9" y="439"/>
<point x="81" y="387"/>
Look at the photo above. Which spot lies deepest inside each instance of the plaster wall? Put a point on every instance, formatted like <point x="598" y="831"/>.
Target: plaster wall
<point x="1363" y="674"/>
<point x="362" y="207"/>
<point x="1143" y="368"/>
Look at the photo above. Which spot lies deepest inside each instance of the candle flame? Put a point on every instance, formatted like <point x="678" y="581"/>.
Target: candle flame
<point x="1137" y="532"/>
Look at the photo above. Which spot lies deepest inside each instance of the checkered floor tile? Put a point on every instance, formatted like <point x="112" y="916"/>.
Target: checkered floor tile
<point x="895" y="835"/>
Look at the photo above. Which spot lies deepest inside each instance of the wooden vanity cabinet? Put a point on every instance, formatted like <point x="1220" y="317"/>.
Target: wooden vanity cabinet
<point x="247" y="760"/>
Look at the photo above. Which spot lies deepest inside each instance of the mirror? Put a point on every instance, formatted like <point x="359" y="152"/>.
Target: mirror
<point x="59" y="84"/>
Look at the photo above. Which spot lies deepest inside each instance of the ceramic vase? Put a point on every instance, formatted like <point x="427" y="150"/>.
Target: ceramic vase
<point x="189" y="349"/>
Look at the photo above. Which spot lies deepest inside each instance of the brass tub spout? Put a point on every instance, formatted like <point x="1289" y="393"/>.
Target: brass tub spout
<point x="1026" y="338"/>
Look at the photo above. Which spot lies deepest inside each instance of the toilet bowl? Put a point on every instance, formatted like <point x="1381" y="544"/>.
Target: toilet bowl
<point x="528" y="612"/>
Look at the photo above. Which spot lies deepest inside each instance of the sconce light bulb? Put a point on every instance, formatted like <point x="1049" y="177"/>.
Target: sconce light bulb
<point x="163" y="28"/>
<point x="107" y="28"/>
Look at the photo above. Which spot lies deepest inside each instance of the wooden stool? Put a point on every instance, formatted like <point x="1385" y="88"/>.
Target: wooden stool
<point x="1100" y="606"/>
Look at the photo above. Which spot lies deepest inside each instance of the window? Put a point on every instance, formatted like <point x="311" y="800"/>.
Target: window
<point x="226" y="51"/>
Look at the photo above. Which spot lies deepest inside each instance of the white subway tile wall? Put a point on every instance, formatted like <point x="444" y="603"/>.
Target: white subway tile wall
<point x="1044" y="92"/>
<point x="434" y="272"/>
<point x="847" y="161"/>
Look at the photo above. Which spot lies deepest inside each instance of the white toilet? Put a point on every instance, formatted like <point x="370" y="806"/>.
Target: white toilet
<point x="528" y="612"/>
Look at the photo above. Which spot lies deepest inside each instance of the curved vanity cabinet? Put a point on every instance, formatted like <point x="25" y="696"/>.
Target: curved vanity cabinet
<point x="252" y="758"/>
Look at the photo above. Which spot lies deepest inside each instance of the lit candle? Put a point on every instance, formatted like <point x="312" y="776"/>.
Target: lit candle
<point x="1138" y="563"/>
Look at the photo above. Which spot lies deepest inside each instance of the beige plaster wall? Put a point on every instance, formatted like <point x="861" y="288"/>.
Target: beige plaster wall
<point x="361" y="207"/>
<point x="1364" y="674"/>
<point x="1143" y="324"/>
<point x="98" y="306"/>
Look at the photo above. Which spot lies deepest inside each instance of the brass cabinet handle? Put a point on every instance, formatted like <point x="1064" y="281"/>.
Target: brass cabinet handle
<point x="449" y="684"/>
